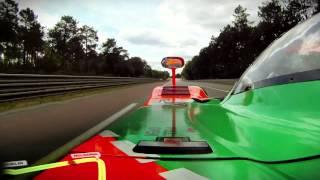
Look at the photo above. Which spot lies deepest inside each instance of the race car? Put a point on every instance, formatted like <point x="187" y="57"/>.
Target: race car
<point x="267" y="127"/>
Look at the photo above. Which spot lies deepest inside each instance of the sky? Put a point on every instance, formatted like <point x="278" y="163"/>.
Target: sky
<point x="150" y="29"/>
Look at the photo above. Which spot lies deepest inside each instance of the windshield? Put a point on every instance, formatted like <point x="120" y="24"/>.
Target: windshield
<point x="294" y="57"/>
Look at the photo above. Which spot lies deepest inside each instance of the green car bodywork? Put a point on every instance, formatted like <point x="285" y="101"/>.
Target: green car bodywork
<point x="267" y="127"/>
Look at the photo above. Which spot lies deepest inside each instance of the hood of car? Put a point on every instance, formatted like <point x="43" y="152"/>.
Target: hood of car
<point x="257" y="130"/>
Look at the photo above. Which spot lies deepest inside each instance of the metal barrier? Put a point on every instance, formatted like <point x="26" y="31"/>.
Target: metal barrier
<point x="23" y="86"/>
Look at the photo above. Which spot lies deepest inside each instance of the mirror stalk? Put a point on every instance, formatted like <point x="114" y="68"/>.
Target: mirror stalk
<point x="173" y="77"/>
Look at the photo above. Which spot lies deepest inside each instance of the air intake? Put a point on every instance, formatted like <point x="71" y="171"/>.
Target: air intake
<point x="175" y="90"/>
<point x="173" y="145"/>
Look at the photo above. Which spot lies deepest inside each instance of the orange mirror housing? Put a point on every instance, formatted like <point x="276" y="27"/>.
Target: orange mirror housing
<point x="172" y="62"/>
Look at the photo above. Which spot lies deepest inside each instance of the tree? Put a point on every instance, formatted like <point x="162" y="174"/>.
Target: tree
<point x="239" y="43"/>
<point x="317" y="6"/>
<point x="295" y="11"/>
<point x="186" y="71"/>
<point x="51" y="60"/>
<point x="89" y="41"/>
<point x="113" y="55"/>
<point x="160" y="74"/>
<point x="138" y="66"/>
<point x="31" y="34"/>
<point x="64" y="38"/>
<point x="147" y="71"/>
<point x="8" y="29"/>
<point x="66" y="48"/>
<point x="243" y="31"/>
<point x="241" y="18"/>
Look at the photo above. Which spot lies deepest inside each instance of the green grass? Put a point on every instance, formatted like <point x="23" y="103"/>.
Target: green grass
<point x="6" y="106"/>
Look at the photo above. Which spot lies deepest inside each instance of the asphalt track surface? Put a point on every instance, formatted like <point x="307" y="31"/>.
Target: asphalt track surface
<point x="33" y="132"/>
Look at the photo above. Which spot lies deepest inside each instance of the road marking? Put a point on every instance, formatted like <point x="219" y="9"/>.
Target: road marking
<point x="200" y="85"/>
<point x="215" y="89"/>
<point x="167" y="83"/>
<point x="127" y="146"/>
<point x="15" y="163"/>
<point x="181" y="173"/>
<point x="101" y="167"/>
<point x="58" y="153"/>
<point x="195" y="84"/>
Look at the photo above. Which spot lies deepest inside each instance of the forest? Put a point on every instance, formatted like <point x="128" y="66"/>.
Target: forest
<point x="239" y="43"/>
<point x="67" y="48"/>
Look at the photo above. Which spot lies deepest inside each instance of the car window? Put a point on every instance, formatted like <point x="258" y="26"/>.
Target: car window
<point x="297" y="51"/>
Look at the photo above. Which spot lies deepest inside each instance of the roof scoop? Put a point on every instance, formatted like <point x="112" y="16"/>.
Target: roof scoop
<point x="173" y="145"/>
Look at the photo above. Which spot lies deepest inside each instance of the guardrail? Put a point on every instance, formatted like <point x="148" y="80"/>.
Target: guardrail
<point x="24" y="86"/>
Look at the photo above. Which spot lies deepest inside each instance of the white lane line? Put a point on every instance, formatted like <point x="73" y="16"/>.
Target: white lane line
<point x="181" y="173"/>
<point x="127" y="146"/>
<point x="195" y="84"/>
<point x="215" y="89"/>
<point x="108" y="133"/>
<point x="61" y="151"/>
<point x="167" y="83"/>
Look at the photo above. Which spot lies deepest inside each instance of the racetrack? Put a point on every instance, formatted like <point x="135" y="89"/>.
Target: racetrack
<point x="31" y="133"/>
<point x="214" y="88"/>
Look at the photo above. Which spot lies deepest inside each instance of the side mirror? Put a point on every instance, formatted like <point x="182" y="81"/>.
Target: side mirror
<point x="172" y="62"/>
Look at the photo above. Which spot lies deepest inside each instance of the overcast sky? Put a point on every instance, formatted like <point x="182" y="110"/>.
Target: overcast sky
<point x="150" y="29"/>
